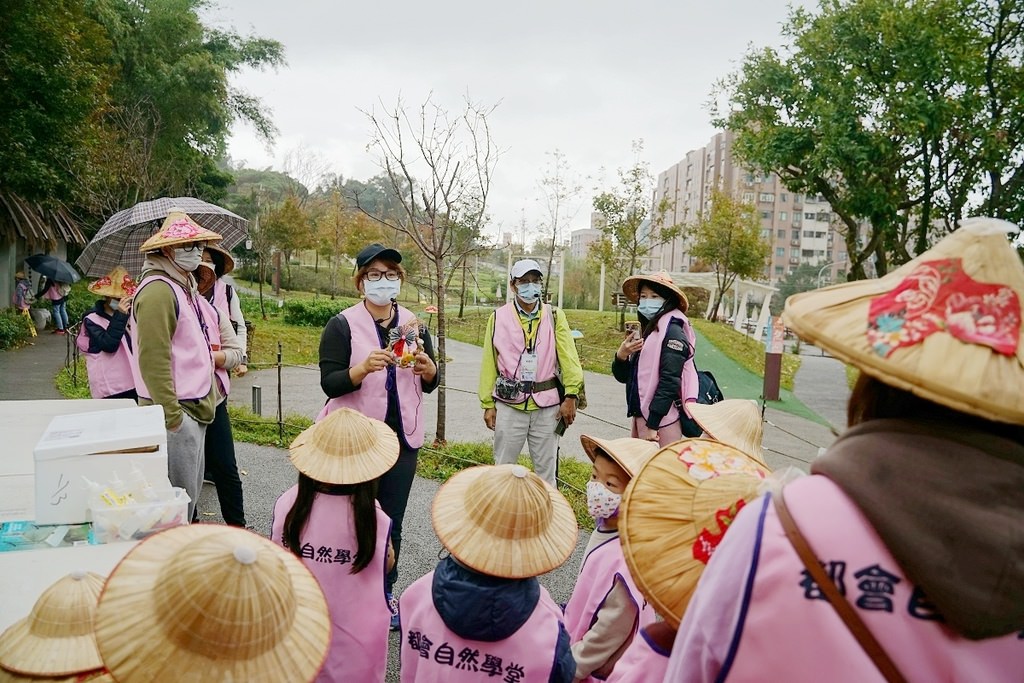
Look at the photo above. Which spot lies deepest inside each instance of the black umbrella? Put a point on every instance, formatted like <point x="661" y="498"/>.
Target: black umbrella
<point x="53" y="268"/>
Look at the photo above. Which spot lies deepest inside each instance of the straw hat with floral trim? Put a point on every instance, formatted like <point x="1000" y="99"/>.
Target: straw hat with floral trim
<point x="345" y="447"/>
<point x="56" y="638"/>
<point x="117" y="284"/>
<point x="504" y="520"/>
<point x="207" y="602"/>
<point x="631" y="287"/>
<point x="945" y="326"/>
<point x="676" y="511"/>
<point x="178" y="229"/>
<point x="628" y="453"/>
<point x="733" y="421"/>
<point x="97" y="676"/>
<point x="223" y="261"/>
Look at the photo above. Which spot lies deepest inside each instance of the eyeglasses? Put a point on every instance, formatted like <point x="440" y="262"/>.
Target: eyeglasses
<point x="376" y="275"/>
<point x="193" y="247"/>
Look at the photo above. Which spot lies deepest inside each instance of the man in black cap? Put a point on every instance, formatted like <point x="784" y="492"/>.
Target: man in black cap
<point x="359" y="370"/>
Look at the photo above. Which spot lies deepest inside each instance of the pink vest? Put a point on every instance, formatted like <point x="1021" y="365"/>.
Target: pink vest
<point x="431" y="653"/>
<point x="642" y="662"/>
<point x="191" y="362"/>
<point x="649" y="367"/>
<point x="360" y="618"/>
<point x="790" y="633"/>
<point x="220" y="298"/>
<point x="370" y="398"/>
<point x="211" y="316"/>
<point x="109" y="373"/>
<point x="601" y="567"/>
<point x="510" y="342"/>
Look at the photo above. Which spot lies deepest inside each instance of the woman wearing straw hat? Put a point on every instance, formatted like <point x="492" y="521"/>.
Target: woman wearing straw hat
<point x="656" y="362"/>
<point x="606" y="608"/>
<point x="736" y="422"/>
<point x="102" y="337"/>
<point x="23" y="297"/>
<point x="674" y="514"/>
<point x="900" y="557"/>
<point x="358" y="371"/>
<point x="332" y="522"/>
<point x="482" y="613"/>
<point x="208" y="602"/>
<point x="215" y="283"/>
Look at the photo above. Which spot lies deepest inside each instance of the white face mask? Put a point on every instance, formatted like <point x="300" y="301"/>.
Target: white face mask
<point x="382" y="291"/>
<point x="528" y="291"/>
<point x="114" y="303"/>
<point x="601" y="503"/>
<point x="188" y="260"/>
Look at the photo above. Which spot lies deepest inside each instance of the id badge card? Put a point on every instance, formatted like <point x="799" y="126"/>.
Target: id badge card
<point x="528" y="366"/>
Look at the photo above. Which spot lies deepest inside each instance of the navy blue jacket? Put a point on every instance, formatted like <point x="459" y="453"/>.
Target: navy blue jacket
<point x="105" y="340"/>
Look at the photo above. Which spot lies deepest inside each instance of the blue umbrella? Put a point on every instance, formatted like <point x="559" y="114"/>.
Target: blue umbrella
<point x="53" y="268"/>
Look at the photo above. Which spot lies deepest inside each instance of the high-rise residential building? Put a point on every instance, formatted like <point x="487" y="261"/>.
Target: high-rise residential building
<point x="580" y="241"/>
<point x="801" y="229"/>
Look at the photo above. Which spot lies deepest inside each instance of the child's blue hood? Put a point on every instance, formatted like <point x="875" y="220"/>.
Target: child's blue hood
<point x="480" y="607"/>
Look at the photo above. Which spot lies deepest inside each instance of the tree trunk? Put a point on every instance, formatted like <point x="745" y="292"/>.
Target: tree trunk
<point x="262" y="275"/>
<point x="462" y="294"/>
<point x="442" y="324"/>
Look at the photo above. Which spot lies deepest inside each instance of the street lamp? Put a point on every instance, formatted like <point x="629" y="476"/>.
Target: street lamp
<point x="822" y="270"/>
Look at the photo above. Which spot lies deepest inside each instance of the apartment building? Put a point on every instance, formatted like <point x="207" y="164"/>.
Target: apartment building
<point x="799" y="228"/>
<point x="580" y="241"/>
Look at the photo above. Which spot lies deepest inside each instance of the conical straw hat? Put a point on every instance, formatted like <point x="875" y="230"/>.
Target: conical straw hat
<point x="504" y="520"/>
<point x="945" y="326"/>
<point x="56" y="638"/>
<point x="97" y="676"/>
<point x="733" y="421"/>
<point x="345" y="447"/>
<point x="675" y="512"/>
<point x="630" y="454"/>
<point x="631" y="287"/>
<point x="209" y="602"/>
<point x="178" y="229"/>
<point x="117" y="283"/>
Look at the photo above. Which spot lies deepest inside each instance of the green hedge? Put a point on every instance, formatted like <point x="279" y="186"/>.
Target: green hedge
<point x="15" y="329"/>
<point x="312" y="312"/>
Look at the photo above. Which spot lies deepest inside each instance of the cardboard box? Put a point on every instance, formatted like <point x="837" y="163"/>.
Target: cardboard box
<point x="97" y="446"/>
<point x="21" y="424"/>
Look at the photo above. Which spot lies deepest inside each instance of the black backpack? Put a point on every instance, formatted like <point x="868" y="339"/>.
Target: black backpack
<point x="708" y="391"/>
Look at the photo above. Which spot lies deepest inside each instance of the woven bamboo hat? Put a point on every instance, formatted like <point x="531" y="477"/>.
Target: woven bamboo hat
<point x="630" y="454"/>
<point x="504" y="520"/>
<point x="345" y="447"/>
<point x="223" y="261"/>
<point x="733" y="421"/>
<point x="117" y="284"/>
<point x="945" y="326"/>
<point x="631" y="287"/>
<point x="208" y="602"/>
<point x="56" y="638"/>
<point x="97" y="676"/>
<point x="675" y="512"/>
<point x="178" y="229"/>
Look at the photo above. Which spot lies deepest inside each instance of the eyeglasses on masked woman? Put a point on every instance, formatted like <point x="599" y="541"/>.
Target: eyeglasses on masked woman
<point x="377" y="275"/>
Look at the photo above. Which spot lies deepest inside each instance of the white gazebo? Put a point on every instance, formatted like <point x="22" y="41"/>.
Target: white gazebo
<point x="743" y="293"/>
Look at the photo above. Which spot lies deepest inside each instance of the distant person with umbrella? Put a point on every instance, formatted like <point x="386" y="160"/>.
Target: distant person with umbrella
<point x="23" y="298"/>
<point x="56" y="287"/>
<point x="104" y="340"/>
<point x="174" y="363"/>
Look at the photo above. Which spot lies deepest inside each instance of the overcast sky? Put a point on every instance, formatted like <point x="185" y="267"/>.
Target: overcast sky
<point x="586" y="78"/>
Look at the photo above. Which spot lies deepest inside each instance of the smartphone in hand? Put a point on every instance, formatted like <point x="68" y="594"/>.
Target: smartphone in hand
<point x="561" y="426"/>
<point x="633" y="329"/>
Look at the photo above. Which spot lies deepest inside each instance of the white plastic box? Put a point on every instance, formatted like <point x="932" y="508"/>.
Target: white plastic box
<point x="100" y="446"/>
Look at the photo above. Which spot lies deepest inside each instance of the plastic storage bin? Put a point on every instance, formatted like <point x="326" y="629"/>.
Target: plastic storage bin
<point x="135" y="521"/>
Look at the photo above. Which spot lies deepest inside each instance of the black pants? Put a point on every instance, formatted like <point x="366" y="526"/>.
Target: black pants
<point x="221" y="467"/>
<point x="393" y="496"/>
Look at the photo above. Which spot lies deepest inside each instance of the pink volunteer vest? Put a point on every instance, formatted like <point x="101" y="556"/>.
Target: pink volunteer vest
<point x="813" y="644"/>
<point x="642" y="662"/>
<point x="211" y="316"/>
<point x="649" y="366"/>
<point x="601" y="567"/>
<point x="510" y="343"/>
<point x="360" y="620"/>
<point x="191" y="362"/>
<point x="370" y="398"/>
<point x="430" y="653"/>
<point x="220" y="298"/>
<point x="109" y="373"/>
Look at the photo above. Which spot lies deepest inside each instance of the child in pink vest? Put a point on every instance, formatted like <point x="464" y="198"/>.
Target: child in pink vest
<point x="482" y="614"/>
<point x="332" y="522"/>
<point x="606" y="608"/>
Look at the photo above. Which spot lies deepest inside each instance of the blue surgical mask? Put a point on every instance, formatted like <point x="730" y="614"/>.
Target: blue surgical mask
<point x="114" y="303"/>
<point x="649" y="308"/>
<point x="528" y="291"/>
<point x="382" y="291"/>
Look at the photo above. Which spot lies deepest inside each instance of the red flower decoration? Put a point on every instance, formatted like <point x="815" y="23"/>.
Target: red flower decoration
<point x="707" y="540"/>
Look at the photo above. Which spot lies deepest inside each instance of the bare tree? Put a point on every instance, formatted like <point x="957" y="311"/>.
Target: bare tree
<point x="560" y="188"/>
<point x="440" y="166"/>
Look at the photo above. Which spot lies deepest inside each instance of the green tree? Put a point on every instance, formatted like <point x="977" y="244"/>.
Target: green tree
<point x="631" y="229"/>
<point x="289" y="229"/>
<point x="905" y="114"/>
<point x="727" y="239"/>
<point x="803" y="278"/>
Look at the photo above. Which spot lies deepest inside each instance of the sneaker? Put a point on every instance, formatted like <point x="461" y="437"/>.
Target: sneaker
<point x="393" y="608"/>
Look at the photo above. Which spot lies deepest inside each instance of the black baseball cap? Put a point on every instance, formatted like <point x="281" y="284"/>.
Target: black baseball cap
<point x="377" y="251"/>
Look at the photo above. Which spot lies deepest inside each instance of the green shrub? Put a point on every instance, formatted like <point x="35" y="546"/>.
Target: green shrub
<point x="15" y="329"/>
<point x="312" y="312"/>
